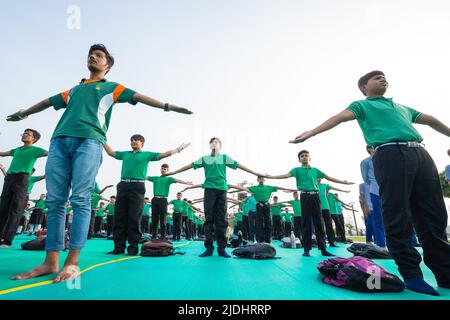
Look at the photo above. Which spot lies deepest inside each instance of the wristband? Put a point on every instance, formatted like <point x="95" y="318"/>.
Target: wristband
<point x="166" y="107"/>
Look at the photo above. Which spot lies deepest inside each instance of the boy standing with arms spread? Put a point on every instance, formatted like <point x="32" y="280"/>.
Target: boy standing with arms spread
<point x="408" y="179"/>
<point x="76" y="154"/>
<point x="131" y="192"/>
<point x="178" y="205"/>
<point x="14" y="194"/>
<point x="161" y="187"/>
<point x="307" y="178"/>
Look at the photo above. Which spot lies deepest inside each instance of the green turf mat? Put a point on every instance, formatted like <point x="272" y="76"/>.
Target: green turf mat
<point x="190" y="277"/>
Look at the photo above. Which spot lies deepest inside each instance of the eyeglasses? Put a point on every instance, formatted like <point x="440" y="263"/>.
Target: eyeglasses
<point x="26" y="133"/>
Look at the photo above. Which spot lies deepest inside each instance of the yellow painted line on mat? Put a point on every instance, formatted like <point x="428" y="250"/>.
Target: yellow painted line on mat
<point x="44" y="283"/>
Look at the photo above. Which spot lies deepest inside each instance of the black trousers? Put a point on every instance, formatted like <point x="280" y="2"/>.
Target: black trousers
<point x="91" y="225"/>
<point x="245" y="227"/>
<point x="252" y="225"/>
<point x="185" y="224"/>
<point x="411" y="195"/>
<point x="127" y="217"/>
<point x="328" y="226"/>
<point x="287" y="228"/>
<point x="298" y="227"/>
<point x="12" y="203"/>
<point x="340" y="227"/>
<point x="276" y="222"/>
<point x="145" y="224"/>
<point x="312" y="215"/>
<point x="159" y="211"/>
<point x="263" y="222"/>
<point x="98" y="224"/>
<point x="109" y="224"/>
<point x="237" y="227"/>
<point x="215" y="221"/>
<point x="176" y="225"/>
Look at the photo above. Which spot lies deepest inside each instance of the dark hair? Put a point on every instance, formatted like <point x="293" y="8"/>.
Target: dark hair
<point x="295" y="192"/>
<point x="165" y="165"/>
<point x="365" y="78"/>
<point x="275" y="197"/>
<point x="101" y="47"/>
<point x="448" y="152"/>
<point x="112" y="197"/>
<point x="215" y="138"/>
<point x="36" y="134"/>
<point x="137" y="137"/>
<point x="368" y="147"/>
<point x="179" y="193"/>
<point x="146" y="198"/>
<point x="259" y="177"/>
<point x="302" y="152"/>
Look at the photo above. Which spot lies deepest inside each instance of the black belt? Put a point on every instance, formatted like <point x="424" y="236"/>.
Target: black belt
<point x="131" y="180"/>
<point x="409" y="144"/>
<point x="309" y="192"/>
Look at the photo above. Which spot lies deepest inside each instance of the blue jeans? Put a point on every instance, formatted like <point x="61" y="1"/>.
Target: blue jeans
<point x="72" y="163"/>
<point x="369" y="228"/>
<point x="377" y="220"/>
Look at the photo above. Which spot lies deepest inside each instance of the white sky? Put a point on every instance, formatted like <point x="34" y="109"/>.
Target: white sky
<point x="256" y="73"/>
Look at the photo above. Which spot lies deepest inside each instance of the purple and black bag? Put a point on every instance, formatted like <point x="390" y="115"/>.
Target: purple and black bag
<point x="359" y="274"/>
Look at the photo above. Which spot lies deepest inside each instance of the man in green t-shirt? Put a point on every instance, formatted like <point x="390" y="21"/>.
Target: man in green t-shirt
<point x="147" y="211"/>
<point x="110" y="209"/>
<point x="287" y="222"/>
<point x="37" y="215"/>
<point x="131" y="192"/>
<point x="215" y="186"/>
<point x="297" y="219"/>
<point x="178" y="205"/>
<point x="306" y="178"/>
<point x="32" y="180"/>
<point x="77" y="154"/>
<point x="161" y="187"/>
<point x="96" y="197"/>
<point x="14" y="194"/>
<point x="99" y="215"/>
<point x="262" y="194"/>
<point x="275" y="212"/>
<point x="409" y="182"/>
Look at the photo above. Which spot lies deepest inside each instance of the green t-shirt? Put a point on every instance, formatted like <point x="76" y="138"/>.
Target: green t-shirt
<point x="307" y="178"/>
<point x="96" y="187"/>
<point x="287" y="217"/>
<point x="189" y="212"/>
<point x="31" y="181"/>
<point x="110" y="208"/>
<point x="100" y="212"/>
<point x="89" y="107"/>
<point x="338" y="207"/>
<point x="178" y="205"/>
<point x="275" y="209"/>
<point x="238" y="217"/>
<point x="95" y="200"/>
<point x="146" y="210"/>
<point x="332" y="202"/>
<point x="323" y="189"/>
<point x="169" y="218"/>
<point x="68" y="210"/>
<point x="184" y="208"/>
<point x="24" y="159"/>
<point x="161" y="185"/>
<point x="262" y="193"/>
<point x="40" y="204"/>
<point x="297" y="207"/>
<point x="215" y="167"/>
<point x="382" y="120"/>
<point x="135" y="164"/>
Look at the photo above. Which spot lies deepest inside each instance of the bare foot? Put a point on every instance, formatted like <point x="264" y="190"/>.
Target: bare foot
<point x="42" y="270"/>
<point x="68" y="272"/>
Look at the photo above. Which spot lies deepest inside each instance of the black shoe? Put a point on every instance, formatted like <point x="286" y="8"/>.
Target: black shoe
<point x="132" y="251"/>
<point x="116" y="251"/>
<point x="334" y="245"/>
<point x="325" y="253"/>
<point x="223" y="253"/>
<point x="207" y="253"/>
<point x="306" y="254"/>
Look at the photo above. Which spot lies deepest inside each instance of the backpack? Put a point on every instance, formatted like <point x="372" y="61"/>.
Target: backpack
<point x="286" y="243"/>
<point x="359" y="274"/>
<point x="145" y="237"/>
<point x="38" y="244"/>
<point x="257" y="251"/>
<point x="158" y="248"/>
<point x="369" y="251"/>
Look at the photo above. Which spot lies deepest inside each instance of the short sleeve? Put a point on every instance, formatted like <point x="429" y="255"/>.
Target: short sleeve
<point x="39" y="152"/>
<point x="171" y="180"/>
<point x="152" y="156"/>
<point x="230" y="163"/>
<point x="13" y="151"/>
<point x="328" y="187"/>
<point x="273" y="189"/>
<point x="293" y="172"/>
<point x="197" y="164"/>
<point x="60" y="100"/>
<point x="151" y="178"/>
<point x="414" y="114"/>
<point x="122" y="94"/>
<point x="320" y="174"/>
<point x="118" y="155"/>
<point x="171" y="202"/>
<point x="356" y="109"/>
<point x="251" y="189"/>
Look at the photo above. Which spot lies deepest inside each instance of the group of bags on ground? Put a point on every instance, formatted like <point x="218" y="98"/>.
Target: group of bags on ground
<point x="358" y="273"/>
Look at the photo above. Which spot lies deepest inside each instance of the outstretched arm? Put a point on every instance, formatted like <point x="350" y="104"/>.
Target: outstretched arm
<point x="22" y="114"/>
<point x="343" y="116"/>
<point x="189" y="183"/>
<point x="286" y="189"/>
<point x="101" y="191"/>
<point x="182" y="169"/>
<point x="3" y="169"/>
<point x="238" y="188"/>
<point x="172" y="152"/>
<point x="195" y="186"/>
<point x="138" y="97"/>
<point x="5" y="154"/>
<point x="244" y="168"/>
<point x="109" y="150"/>
<point x="338" y="181"/>
<point x="334" y="188"/>
<point x="281" y="176"/>
<point x="433" y="123"/>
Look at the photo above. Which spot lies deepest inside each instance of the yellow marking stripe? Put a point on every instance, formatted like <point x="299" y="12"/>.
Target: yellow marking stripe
<point x="43" y="283"/>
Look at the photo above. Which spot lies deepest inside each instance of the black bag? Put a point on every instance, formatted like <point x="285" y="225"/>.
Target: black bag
<point x="286" y="243"/>
<point x="158" y="248"/>
<point x="145" y="237"/>
<point x="257" y="251"/>
<point x="369" y="251"/>
<point x="38" y="244"/>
